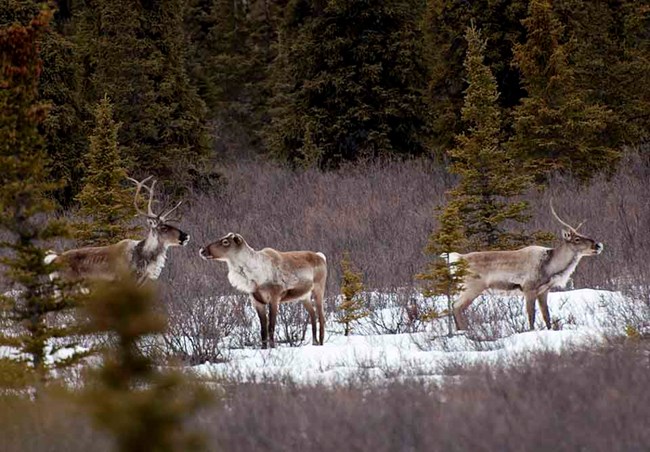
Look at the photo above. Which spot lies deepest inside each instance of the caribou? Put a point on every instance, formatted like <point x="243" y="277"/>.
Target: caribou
<point x="533" y="270"/>
<point x="143" y="259"/>
<point x="272" y="277"/>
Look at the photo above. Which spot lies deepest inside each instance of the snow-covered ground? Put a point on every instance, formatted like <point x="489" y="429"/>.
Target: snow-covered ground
<point x="585" y="317"/>
<point x="499" y="333"/>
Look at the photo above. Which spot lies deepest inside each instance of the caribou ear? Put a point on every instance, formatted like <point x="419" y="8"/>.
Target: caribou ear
<point x="238" y="239"/>
<point x="566" y="235"/>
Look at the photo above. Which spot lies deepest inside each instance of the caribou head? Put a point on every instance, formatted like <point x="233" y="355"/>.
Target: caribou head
<point x="578" y="243"/>
<point x="159" y="226"/>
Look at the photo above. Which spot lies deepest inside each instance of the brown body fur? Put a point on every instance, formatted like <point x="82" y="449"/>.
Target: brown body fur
<point x="96" y="263"/>
<point x="533" y="270"/>
<point x="142" y="259"/>
<point x="272" y="277"/>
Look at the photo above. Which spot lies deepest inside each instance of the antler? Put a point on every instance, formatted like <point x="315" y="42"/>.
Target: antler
<point x="139" y="184"/>
<point x="165" y="216"/>
<point x="575" y="230"/>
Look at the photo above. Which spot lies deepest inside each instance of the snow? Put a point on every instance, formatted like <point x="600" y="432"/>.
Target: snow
<point x="586" y="319"/>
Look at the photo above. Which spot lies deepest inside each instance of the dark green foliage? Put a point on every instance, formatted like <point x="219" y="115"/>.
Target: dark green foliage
<point x="599" y="99"/>
<point x="59" y="86"/>
<point x="142" y="407"/>
<point x="610" y="56"/>
<point x="350" y="78"/>
<point x="230" y="48"/>
<point x="489" y="175"/>
<point x="134" y="52"/>
<point x="481" y="203"/>
<point x="64" y="128"/>
<point x="321" y="83"/>
<point x="351" y="308"/>
<point x="631" y="81"/>
<point x="24" y="186"/>
<point x="104" y="198"/>
<point x="558" y="126"/>
<point x="444" y="24"/>
<point x="442" y="276"/>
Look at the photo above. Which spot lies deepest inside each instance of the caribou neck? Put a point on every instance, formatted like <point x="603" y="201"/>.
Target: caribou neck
<point x="245" y="261"/>
<point x="150" y="248"/>
<point x="247" y="269"/>
<point x="562" y="259"/>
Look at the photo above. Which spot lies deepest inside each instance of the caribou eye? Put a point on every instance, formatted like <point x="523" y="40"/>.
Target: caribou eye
<point x="576" y="240"/>
<point x="225" y="242"/>
<point x="163" y="229"/>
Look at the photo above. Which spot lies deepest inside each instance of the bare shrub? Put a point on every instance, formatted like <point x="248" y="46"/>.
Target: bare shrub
<point x="582" y="400"/>
<point x="383" y="213"/>
<point x="394" y="311"/>
<point x="51" y="422"/>
<point x="496" y="317"/>
<point x="631" y="315"/>
<point x="292" y="324"/>
<point x="379" y="212"/>
<point x="594" y="400"/>
<point x="197" y="328"/>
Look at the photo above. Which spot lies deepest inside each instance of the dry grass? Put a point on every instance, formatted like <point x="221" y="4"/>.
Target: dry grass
<point x="594" y="400"/>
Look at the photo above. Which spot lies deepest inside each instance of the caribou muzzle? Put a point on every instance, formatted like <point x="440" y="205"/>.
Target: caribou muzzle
<point x="205" y="254"/>
<point x="598" y="248"/>
<point x="183" y="239"/>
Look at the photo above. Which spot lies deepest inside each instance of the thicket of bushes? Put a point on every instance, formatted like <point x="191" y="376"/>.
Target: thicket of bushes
<point x="594" y="400"/>
<point x="382" y="214"/>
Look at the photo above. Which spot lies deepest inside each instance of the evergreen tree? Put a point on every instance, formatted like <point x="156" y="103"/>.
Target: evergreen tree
<point x="609" y="65"/>
<point x="489" y="175"/>
<point x="59" y="85"/>
<point x="556" y="126"/>
<point x="142" y="407"/>
<point x="444" y="24"/>
<point x="231" y="46"/>
<point x="134" y="53"/>
<point x="350" y="78"/>
<point x="24" y="186"/>
<point x="631" y="76"/>
<point x="444" y="277"/>
<point x="104" y="197"/>
<point x="480" y="203"/>
<point x="351" y="308"/>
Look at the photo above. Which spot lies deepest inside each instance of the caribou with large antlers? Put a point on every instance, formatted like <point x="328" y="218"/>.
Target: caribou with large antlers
<point x="144" y="259"/>
<point x="533" y="270"/>
<point x="272" y="277"/>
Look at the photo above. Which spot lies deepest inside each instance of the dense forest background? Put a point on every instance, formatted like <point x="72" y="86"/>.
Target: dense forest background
<point x="320" y="84"/>
<point x="380" y="132"/>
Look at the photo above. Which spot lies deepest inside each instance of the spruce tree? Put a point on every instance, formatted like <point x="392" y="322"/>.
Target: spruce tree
<point x="490" y="177"/>
<point x="351" y="308"/>
<point x="142" y="407"/>
<point x="349" y="82"/>
<point x="631" y="76"/>
<point x="444" y="24"/>
<point x="444" y="276"/>
<point x="622" y="81"/>
<point x="59" y="85"/>
<point x="25" y="208"/>
<point x="610" y="63"/>
<point x="104" y="199"/>
<point x="556" y="126"/>
<point x="134" y="52"/>
<point x="481" y="202"/>
<point x="231" y="44"/>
